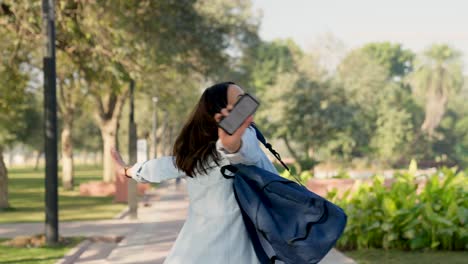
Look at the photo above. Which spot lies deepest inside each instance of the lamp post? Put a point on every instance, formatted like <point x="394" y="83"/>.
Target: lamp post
<point x="132" y="151"/>
<point x="155" y="126"/>
<point x="50" y="127"/>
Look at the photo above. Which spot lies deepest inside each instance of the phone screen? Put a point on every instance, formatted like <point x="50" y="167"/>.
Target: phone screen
<point x="246" y="106"/>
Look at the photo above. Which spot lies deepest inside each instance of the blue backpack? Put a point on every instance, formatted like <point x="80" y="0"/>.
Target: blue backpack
<point x="285" y="221"/>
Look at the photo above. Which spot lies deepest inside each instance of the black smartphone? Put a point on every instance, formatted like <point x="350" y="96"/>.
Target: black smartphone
<point x="244" y="107"/>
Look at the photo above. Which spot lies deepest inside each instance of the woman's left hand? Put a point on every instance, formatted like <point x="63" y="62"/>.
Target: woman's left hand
<point x="119" y="164"/>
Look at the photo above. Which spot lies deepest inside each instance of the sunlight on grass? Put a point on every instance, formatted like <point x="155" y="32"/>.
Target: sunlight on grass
<point x="26" y="193"/>
<point x="371" y="256"/>
<point x="40" y="255"/>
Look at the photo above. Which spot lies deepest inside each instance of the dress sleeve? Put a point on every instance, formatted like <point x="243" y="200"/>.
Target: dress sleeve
<point x="249" y="153"/>
<point x="156" y="170"/>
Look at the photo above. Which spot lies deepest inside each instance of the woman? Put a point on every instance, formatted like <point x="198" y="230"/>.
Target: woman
<point x="214" y="231"/>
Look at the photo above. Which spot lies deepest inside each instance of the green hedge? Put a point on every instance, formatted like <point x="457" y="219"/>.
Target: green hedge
<point x="399" y="218"/>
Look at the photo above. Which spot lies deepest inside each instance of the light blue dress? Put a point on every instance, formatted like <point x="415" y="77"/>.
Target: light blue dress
<point x="214" y="231"/>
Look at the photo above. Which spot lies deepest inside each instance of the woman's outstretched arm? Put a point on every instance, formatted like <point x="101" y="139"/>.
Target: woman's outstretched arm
<point x="154" y="170"/>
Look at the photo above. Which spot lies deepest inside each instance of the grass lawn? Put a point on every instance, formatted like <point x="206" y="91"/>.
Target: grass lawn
<point x="40" y="255"/>
<point x="26" y="196"/>
<point x="380" y="256"/>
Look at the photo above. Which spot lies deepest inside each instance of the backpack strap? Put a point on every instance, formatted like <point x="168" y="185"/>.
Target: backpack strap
<point x="253" y="235"/>
<point x="262" y="139"/>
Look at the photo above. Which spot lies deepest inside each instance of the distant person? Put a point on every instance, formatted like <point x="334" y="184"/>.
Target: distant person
<point x="214" y="231"/>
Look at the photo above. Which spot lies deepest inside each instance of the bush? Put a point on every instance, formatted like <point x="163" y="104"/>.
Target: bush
<point x="399" y="217"/>
<point x="303" y="177"/>
<point x="342" y="175"/>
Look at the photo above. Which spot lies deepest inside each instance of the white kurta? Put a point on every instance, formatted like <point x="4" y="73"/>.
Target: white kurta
<point x="214" y="231"/>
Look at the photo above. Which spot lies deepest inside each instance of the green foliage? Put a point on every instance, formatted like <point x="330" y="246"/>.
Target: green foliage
<point x="272" y="59"/>
<point x="342" y="174"/>
<point x="371" y="256"/>
<point x="437" y="78"/>
<point x="413" y="166"/>
<point x="19" y="115"/>
<point x="302" y="177"/>
<point x="381" y="124"/>
<point x="319" y="113"/>
<point x="373" y="107"/>
<point x="453" y="131"/>
<point x="393" y="130"/>
<point x="401" y="217"/>
<point x="364" y="110"/>
<point x="39" y="255"/>
<point x="396" y="60"/>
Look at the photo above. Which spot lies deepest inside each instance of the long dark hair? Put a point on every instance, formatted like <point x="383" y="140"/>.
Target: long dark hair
<point x="195" y="147"/>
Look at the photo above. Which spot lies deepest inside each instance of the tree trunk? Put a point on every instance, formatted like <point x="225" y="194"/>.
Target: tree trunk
<point x="108" y="111"/>
<point x="38" y="158"/>
<point x="162" y="146"/>
<point x="435" y="109"/>
<point x="297" y="163"/>
<point x="109" y="138"/>
<point x="436" y="105"/>
<point x="170" y="139"/>
<point x="67" y="155"/>
<point x="3" y="182"/>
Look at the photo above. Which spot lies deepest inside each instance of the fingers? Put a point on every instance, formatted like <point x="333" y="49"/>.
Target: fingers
<point x="244" y="126"/>
<point x="223" y="113"/>
<point x="218" y="117"/>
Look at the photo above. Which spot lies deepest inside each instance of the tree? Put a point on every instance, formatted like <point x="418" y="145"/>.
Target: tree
<point x="12" y="99"/>
<point x="363" y="80"/>
<point x="29" y="32"/>
<point x="370" y="77"/>
<point x="189" y="40"/>
<point x="111" y="43"/>
<point x="398" y="62"/>
<point x="437" y="78"/>
<point x="328" y="52"/>
<point x="290" y="86"/>
<point x="13" y="106"/>
<point x="452" y="147"/>
<point x="267" y="60"/>
<point x="393" y="124"/>
<point x="15" y="99"/>
<point x="320" y="115"/>
<point x="272" y="71"/>
<point x="72" y="93"/>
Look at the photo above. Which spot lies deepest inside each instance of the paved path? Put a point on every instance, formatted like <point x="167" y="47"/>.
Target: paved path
<point x="151" y="241"/>
<point x="146" y="240"/>
<point x="117" y="227"/>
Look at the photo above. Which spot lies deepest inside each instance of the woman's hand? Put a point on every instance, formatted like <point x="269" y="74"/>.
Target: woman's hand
<point x="119" y="164"/>
<point x="231" y="143"/>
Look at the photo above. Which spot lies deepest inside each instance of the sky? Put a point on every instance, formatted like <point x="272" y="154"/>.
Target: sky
<point x="414" y="23"/>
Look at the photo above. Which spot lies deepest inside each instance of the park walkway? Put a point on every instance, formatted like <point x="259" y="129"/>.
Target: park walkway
<point x="143" y="241"/>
